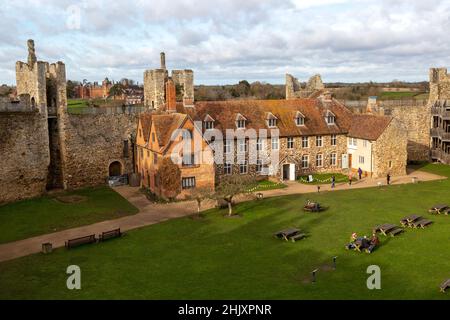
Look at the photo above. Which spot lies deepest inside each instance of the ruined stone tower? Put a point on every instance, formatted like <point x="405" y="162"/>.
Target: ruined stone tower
<point x="439" y="84"/>
<point x="155" y="96"/>
<point x="294" y="89"/>
<point x="32" y="128"/>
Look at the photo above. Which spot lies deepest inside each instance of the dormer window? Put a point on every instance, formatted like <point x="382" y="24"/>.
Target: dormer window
<point x="271" y="120"/>
<point x="330" y="118"/>
<point x="299" y="119"/>
<point x="208" y="122"/>
<point x="240" y="121"/>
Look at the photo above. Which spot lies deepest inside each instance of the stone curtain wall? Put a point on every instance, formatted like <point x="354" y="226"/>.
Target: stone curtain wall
<point x="24" y="156"/>
<point x="416" y="121"/>
<point x="92" y="143"/>
<point x="391" y="147"/>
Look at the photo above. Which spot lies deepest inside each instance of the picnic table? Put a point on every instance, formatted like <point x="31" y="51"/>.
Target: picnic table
<point x="439" y="209"/>
<point x="407" y="221"/>
<point x="292" y="234"/>
<point x="361" y="243"/>
<point x="388" y="229"/>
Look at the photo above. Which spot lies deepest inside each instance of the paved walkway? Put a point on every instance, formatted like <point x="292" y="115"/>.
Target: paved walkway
<point x="151" y="213"/>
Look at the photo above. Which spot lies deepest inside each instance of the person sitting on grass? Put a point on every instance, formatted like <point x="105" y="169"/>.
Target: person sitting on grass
<point x="374" y="242"/>
<point x="353" y="238"/>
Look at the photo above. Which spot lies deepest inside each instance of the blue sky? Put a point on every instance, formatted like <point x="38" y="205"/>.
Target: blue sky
<point x="225" y="41"/>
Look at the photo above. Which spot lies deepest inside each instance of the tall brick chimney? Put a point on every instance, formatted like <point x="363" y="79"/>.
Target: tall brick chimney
<point x="171" y="96"/>
<point x="163" y="60"/>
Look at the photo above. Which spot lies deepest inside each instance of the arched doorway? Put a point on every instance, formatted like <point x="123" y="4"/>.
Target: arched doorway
<point x="115" y="169"/>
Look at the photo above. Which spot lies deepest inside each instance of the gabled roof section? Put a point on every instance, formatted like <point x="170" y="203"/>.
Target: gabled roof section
<point x="146" y="123"/>
<point x="208" y="118"/>
<point x="368" y="127"/>
<point x="239" y="116"/>
<point x="270" y="115"/>
<point x="165" y="125"/>
<point x="298" y="114"/>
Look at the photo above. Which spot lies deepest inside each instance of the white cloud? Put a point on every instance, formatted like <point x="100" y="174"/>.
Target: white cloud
<point x="228" y="40"/>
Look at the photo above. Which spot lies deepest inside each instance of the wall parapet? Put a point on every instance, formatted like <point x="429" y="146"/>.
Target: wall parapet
<point x="21" y="105"/>
<point x="131" y="109"/>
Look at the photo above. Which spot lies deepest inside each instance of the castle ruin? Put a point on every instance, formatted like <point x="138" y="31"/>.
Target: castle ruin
<point x="295" y="90"/>
<point x="155" y="85"/>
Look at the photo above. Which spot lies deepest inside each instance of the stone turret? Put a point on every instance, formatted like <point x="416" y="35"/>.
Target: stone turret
<point x="294" y="88"/>
<point x="439" y="84"/>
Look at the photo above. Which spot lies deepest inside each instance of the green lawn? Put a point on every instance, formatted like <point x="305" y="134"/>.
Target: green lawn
<point x="325" y="178"/>
<point x="33" y="217"/>
<point x="402" y="95"/>
<point x="238" y="258"/>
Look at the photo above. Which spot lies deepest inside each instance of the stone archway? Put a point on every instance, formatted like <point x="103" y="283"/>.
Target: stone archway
<point x="115" y="169"/>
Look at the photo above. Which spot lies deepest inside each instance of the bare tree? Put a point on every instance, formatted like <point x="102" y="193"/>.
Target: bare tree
<point x="201" y="194"/>
<point x="232" y="186"/>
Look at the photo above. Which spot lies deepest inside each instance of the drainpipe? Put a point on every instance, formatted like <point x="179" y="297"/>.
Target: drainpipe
<point x="371" y="159"/>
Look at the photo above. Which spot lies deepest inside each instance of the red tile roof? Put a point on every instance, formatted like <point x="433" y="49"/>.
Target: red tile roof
<point x="255" y="111"/>
<point x="368" y="127"/>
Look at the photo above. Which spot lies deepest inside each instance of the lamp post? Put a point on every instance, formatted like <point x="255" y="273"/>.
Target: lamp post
<point x="313" y="273"/>
<point x="334" y="262"/>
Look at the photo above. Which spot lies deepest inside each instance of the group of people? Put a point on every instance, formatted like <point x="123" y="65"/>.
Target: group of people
<point x="350" y="178"/>
<point x="365" y="243"/>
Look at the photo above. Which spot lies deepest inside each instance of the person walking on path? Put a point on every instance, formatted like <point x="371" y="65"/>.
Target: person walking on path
<point x="360" y="172"/>
<point x="333" y="181"/>
<point x="350" y="178"/>
<point x="388" y="179"/>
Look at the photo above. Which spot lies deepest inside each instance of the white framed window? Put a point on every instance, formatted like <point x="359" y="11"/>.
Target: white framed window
<point x="333" y="140"/>
<point x="305" y="162"/>
<point x="305" y="142"/>
<point x="319" y="160"/>
<point x="242" y="146"/>
<point x="290" y="143"/>
<point x="353" y="142"/>
<point x="300" y="121"/>
<point x="259" y="166"/>
<point x="227" y="168"/>
<point x="361" y="159"/>
<point x="240" y="124"/>
<point x="188" y="183"/>
<point x="275" y="143"/>
<point x="333" y="159"/>
<point x="272" y="122"/>
<point x="243" y="167"/>
<point x="209" y="125"/>
<point x="319" y="141"/>
<point x="259" y="144"/>
<point x="330" y="118"/>
<point x="226" y="146"/>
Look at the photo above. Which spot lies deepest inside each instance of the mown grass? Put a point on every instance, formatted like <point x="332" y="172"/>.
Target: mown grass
<point x="238" y="258"/>
<point x="47" y="214"/>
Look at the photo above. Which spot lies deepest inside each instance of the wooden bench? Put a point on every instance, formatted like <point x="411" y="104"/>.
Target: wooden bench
<point x="298" y="236"/>
<point x="422" y="223"/>
<point x="110" y="235"/>
<point x="445" y="285"/>
<point x="72" y="243"/>
<point x="395" y="232"/>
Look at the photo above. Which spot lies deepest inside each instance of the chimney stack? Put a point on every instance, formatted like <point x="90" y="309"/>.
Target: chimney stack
<point x="163" y="60"/>
<point x="171" y="96"/>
